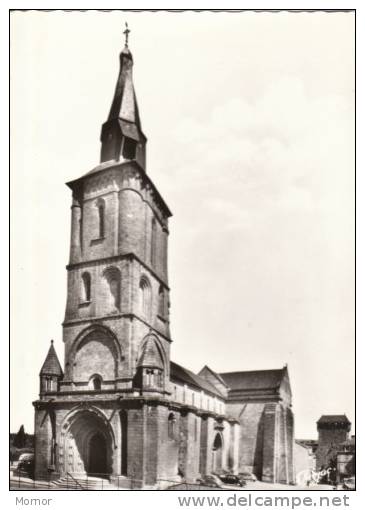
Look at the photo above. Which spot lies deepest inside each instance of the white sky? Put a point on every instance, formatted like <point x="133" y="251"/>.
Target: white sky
<point x="250" y="120"/>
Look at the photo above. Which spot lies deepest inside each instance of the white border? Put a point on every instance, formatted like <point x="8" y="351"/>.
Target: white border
<point x="168" y="500"/>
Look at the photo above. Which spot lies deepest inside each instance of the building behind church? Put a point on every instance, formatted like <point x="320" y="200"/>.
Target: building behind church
<point x="119" y="406"/>
<point x="336" y="448"/>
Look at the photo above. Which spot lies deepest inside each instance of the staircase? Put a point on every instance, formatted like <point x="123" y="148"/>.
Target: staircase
<point x="75" y="483"/>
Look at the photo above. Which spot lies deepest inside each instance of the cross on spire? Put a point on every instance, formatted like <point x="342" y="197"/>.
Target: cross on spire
<point x="126" y="33"/>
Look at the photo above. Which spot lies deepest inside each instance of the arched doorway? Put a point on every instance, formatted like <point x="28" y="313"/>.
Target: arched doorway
<point x="97" y="454"/>
<point x="217" y="451"/>
<point x="87" y="444"/>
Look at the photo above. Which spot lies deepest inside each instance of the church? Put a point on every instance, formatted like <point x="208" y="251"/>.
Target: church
<point x="120" y="407"/>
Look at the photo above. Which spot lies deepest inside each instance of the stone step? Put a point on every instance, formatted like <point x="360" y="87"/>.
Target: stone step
<point x="75" y="483"/>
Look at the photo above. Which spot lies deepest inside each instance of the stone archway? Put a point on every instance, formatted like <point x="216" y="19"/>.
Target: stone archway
<point x="87" y="444"/>
<point x="217" y="453"/>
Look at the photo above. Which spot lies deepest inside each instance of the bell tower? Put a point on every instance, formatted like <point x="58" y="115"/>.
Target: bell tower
<point x="115" y="383"/>
<point x="117" y="272"/>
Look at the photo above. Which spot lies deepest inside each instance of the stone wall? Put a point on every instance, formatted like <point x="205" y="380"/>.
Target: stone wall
<point x="303" y="458"/>
<point x="265" y="440"/>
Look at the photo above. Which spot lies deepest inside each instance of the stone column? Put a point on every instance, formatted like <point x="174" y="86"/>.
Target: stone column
<point x="270" y="444"/>
<point x="136" y="444"/>
<point x="43" y="443"/>
<point x="282" y="468"/>
<point x="290" y="433"/>
<point x="76" y="231"/>
<point x="203" y="467"/>
<point x="151" y="442"/>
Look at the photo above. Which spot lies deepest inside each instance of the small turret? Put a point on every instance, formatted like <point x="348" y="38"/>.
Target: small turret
<point x="150" y="368"/>
<point x="51" y="372"/>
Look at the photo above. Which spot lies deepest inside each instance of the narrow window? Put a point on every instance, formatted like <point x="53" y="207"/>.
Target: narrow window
<point x="96" y="383"/>
<point x="114" y="286"/>
<point x="48" y="384"/>
<point x="148" y="377"/>
<point x="171" y="426"/>
<point x="145" y="297"/>
<point x="161" y="302"/>
<point x="101" y="219"/>
<point x="86" y="287"/>
<point x="113" y="279"/>
<point x="160" y="378"/>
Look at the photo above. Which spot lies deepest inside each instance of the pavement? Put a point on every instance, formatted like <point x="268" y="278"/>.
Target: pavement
<point x="266" y="486"/>
<point x="22" y="483"/>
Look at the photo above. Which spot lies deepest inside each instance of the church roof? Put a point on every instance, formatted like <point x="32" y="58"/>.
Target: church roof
<point x="254" y="380"/>
<point x="214" y="374"/>
<point x="185" y="376"/>
<point x="333" y="418"/>
<point x="51" y="365"/>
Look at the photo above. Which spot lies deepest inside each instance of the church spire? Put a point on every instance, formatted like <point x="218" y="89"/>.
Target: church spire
<point x="121" y="136"/>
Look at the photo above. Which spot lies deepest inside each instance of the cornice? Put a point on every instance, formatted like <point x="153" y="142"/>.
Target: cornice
<point x="120" y="164"/>
<point x="128" y="315"/>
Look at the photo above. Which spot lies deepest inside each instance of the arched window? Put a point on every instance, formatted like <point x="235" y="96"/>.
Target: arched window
<point x="101" y="218"/>
<point x="95" y="383"/>
<point x="150" y="377"/>
<point x="217" y="444"/>
<point x="86" y="287"/>
<point x="217" y="450"/>
<point x="171" y="426"/>
<point x="113" y="279"/>
<point x="145" y="297"/>
<point x="48" y="384"/>
<point x="161" y="302"/>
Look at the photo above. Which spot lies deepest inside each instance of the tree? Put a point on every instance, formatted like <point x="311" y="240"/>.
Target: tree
<point x="20" y="438"/>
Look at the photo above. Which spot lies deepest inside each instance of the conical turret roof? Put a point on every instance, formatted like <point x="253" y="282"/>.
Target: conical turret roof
<point x="150" y="356"/>
<point x="51" y="365"/>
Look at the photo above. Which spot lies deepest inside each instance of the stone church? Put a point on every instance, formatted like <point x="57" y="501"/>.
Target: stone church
<point x="119" y="406"/>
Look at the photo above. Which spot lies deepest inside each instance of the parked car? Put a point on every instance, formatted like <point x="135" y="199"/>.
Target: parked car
<point x="349" y="483"/>
<point x="247" y="476"/>
<point x="26" y="463"/>
<point x="211" y="481"/>
<point x="231" y="479"/>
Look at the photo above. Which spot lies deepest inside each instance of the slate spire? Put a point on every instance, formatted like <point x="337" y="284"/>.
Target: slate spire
<point x="121" y="135"/>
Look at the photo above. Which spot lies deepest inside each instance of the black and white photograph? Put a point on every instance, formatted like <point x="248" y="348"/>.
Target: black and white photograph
<point x="182" y="250"/>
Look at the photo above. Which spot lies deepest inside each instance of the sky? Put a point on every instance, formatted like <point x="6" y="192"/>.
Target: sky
<point x="250" y="125"/>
